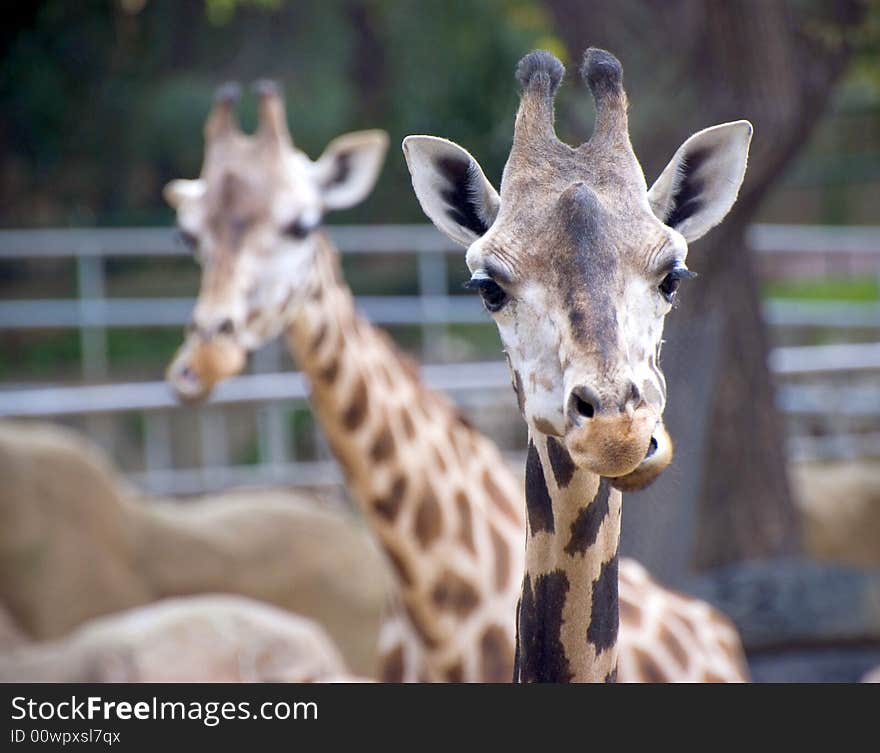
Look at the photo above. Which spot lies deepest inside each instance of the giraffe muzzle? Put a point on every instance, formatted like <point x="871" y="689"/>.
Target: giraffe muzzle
<point x="200" y="365"/>
<point x="613" y="445"/>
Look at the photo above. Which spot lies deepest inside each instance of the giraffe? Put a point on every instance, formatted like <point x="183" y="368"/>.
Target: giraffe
<point x="443" y="504"/>
<point x="578" y="263"/>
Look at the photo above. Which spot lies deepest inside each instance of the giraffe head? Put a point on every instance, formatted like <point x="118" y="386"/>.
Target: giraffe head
<point x="579" y="262"/>
<point x="250" y="219"/>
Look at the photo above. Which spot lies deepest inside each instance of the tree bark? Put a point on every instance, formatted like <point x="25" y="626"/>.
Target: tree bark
<point x="697" y="64"/>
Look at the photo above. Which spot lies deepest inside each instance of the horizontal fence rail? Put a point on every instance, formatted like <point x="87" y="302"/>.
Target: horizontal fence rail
<point x="816" y="381"/>
<point x="121" y="242"/>
<point x="251" y="388"/>
<point x="389" y="310"/>
<point x="395" y="239"/>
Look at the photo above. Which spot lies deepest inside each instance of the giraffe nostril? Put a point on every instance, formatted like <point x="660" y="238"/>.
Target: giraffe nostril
<point x="632" y="401"/>
<point x="583" y="408"/>
<point x="634" y="394"/>
<point x="583" y="403"/>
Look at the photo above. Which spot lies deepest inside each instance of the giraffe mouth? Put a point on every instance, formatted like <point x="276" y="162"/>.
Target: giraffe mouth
<point x="657" y="459"/>
<point x="612" y="445"/>
<point x="187" y="386"/>
<point x="200" y="364"/>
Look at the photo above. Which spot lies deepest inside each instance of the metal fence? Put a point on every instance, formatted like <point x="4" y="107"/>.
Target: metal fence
<point x="817" y="381"/>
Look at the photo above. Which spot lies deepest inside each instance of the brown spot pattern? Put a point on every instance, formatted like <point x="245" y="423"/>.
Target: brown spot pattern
<point x="392" y="665"/>
<point x="389" y="506"/>
<point x="455" y="672"/>
<point x="383" y="446"/>
<point x="408" y="426"/>
<point x="630" y="613"/>
<point x="329" y="373"/>
<point x="497" y="497"/>
<point x="668" y="638"/>
<point x="400" y="566"/>
<point x="438" y="458"/>
<point x="428" y="520"/>
<point x="452" y="593"/>
<point x="648" y="669"/>
<point x="319" y="337"/>
<point x="419" y="626"/>
<point x="356" y="411"/>
<point x="561" y="462"/>
<point x="465" y="521"/>
<point x="544" y="426"/>
<point x="496" y="655"/>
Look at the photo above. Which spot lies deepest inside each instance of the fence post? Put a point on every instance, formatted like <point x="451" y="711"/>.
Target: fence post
<point x="433" y="281"/>
<point x="212" y="428"/>
<point x="92" y="336"/>
<point x="273" y="431"/>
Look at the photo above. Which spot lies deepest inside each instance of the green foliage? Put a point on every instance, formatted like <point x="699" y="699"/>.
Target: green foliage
<point x="47" y="355"/>
<point x="866" y="289"/>
<point x="220" y="12"/>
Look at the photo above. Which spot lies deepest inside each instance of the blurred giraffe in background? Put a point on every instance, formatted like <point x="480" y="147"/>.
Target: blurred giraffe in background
<point x="447" y="510"/>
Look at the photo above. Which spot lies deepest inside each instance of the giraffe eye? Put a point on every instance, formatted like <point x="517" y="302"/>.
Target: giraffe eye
<point x="296" y="229"/>
<point x="491" y="292"/>
<point x="669" y="286"/>
<point x="301" y="227"/>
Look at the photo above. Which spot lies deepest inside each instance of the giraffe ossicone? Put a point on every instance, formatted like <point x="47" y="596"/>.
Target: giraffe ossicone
<point x="579" y="262"/>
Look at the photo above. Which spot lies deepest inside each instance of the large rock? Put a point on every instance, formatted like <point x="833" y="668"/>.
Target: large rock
<point x="192" y="639"/>
<point x="11" y="635"/>
<point x="840" y="508"/>
<point x="75" y="544"/>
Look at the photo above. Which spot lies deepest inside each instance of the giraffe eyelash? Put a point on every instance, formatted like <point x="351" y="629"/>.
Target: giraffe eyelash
<point x="668" y="286"/>
<point x="493" y="295"/>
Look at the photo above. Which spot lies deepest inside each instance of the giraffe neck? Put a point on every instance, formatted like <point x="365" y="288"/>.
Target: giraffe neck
<point x="568" y="615"/>
<point x="427" y="483"/>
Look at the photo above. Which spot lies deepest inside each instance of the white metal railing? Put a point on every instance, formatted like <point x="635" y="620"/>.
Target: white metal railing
<point x="270" y="394"/>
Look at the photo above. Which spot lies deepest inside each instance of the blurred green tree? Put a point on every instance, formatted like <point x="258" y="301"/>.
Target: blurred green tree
<point x="104" y="102"/>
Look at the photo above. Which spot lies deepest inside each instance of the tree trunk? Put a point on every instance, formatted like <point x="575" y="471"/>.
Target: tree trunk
<point x="697" y="64"/>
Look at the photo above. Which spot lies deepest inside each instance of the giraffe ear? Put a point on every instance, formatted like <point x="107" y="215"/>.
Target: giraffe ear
<point x="348" y="168"/>
<point x="178" y="191"/>
<point x="451" y="187"/>
<point x="698" y="187"/>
